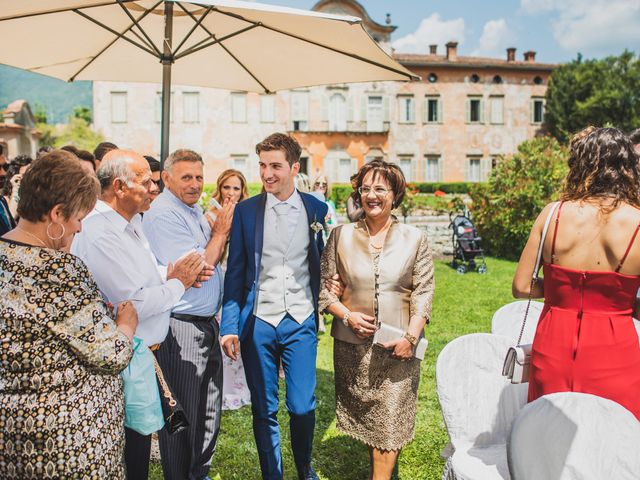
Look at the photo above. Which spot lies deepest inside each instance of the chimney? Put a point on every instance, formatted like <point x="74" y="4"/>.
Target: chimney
<point x="433" y="49"/>
<point x="511" y="54"/>
<point x="530" y="56"/>
<point x="452" y="51"/>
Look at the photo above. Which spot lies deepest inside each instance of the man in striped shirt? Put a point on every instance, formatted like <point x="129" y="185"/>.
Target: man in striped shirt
<point x="190" y="356"/>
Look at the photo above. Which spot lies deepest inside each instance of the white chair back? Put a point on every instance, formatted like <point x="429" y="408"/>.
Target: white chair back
<point x="478" y="403"/>
<point x="574" y="436"/>
<point x="507" y="320"/>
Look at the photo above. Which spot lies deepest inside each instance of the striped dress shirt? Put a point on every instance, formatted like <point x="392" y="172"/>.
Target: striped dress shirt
<point x="173" y="229"/>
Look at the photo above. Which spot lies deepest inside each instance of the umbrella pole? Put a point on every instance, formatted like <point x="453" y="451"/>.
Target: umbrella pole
<point x="167" y="63"/>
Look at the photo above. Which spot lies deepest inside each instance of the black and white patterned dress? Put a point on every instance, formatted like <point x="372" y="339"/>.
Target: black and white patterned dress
<point x="61" y="399"/>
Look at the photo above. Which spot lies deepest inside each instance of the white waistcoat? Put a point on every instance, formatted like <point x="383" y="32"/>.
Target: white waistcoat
<point x="284" y="275"/>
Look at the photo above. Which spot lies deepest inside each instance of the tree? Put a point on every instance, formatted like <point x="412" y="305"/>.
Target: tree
<point x="594" y="92"/>
<point x="78" y="133"/>
<point x="505" y="208"/>
<point x="84" y="113"/>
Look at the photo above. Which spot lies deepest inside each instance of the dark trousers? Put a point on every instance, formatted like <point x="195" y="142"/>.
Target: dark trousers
<point x="137" y="450"/>
<point x="296" y="345"/>
<point x="191" y="361"/>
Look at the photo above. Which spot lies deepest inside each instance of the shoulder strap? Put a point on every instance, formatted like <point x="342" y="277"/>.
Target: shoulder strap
<point x="544" y="235"/>
<point x="534" y="277"/>
<point x="624" y="257"/>
<point x="555" y="234"/>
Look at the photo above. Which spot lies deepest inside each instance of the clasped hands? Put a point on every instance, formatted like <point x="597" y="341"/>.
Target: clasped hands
<point x="191" y="269"/>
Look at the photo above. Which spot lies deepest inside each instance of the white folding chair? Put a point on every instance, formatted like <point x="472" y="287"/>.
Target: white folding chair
<point x="574" y="436"/>
<point x="507" y="320"/>
<point x="478" y="405"/>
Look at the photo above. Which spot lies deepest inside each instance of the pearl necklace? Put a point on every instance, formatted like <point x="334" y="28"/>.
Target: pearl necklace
<point x="33" y="236"/>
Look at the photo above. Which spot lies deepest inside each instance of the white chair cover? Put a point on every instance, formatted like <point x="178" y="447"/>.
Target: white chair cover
<point x="478" y="405"/>
<point x="574" y="436"/>
<point x="507" y="320"/>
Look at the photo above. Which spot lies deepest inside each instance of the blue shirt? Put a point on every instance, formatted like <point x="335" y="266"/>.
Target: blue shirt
<point x="173" y="229"/>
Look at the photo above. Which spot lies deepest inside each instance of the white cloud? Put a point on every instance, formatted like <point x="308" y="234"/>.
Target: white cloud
<point x="595" y="26"/>
<point x="494" y="39"/>
<point x="432" y="31"/>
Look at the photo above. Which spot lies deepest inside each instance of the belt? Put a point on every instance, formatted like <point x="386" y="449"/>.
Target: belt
<point x="185" y="317"/>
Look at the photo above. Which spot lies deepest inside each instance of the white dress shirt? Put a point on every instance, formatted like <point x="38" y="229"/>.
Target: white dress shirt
<point x="295" y="207"/>
<point x="118" y="256"/>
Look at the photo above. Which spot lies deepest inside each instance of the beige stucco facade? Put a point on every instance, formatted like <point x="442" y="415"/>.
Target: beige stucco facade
<point x="450" y="126"/>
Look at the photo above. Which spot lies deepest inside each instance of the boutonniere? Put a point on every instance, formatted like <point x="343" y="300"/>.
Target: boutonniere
<point x="316" y="226"/>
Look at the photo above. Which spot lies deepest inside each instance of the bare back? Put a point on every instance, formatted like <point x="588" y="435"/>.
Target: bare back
<point x="588" y="239"/>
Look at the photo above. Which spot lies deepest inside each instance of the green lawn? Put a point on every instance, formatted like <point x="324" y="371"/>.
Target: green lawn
<point x="463" y="304"/>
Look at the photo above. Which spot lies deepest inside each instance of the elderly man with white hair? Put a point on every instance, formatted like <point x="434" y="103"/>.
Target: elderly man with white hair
<point x="113" y="246"/>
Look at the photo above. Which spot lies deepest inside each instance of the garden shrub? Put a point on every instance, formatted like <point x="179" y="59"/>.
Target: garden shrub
<point x="505" y="208"/>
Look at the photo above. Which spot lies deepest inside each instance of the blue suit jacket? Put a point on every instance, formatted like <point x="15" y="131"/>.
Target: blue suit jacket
<point x="245" y="253"/>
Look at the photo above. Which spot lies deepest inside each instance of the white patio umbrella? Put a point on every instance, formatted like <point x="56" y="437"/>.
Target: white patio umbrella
<point x="224" y="44"/>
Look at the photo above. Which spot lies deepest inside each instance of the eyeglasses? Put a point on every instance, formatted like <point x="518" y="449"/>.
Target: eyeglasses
<point x="4" y="166"/>
<point x="321" y="184"/>
<point x="157" y="182"/>
<point x="379" y="192"/>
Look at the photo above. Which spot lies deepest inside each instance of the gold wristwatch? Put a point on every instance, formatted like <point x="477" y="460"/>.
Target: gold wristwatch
<point x="413" y="340"/>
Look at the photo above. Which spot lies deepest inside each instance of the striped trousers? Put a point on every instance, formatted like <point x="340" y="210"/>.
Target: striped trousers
<point x="191" y="360"/>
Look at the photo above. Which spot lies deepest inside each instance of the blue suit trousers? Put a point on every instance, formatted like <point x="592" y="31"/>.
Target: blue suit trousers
<point x="262" y="349"/>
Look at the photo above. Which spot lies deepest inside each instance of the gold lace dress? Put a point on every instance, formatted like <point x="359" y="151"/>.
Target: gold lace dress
<point x="376" y="394"/>
<point x="61" y="399"/>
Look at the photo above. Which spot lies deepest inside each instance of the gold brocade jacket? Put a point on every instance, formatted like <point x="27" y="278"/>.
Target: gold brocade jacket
<point x="406" y="281"/>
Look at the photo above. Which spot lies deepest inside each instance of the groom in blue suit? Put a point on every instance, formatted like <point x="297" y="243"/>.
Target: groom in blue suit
<point x="271" y="300"/>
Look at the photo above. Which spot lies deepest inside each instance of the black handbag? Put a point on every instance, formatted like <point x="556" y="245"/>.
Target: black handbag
<point x="174" y="416"/>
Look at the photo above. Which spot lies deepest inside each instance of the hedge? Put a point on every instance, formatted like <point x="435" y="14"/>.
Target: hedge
<point x="340" y="191"/>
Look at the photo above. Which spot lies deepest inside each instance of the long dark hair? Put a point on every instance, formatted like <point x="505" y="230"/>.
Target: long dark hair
<point x="603" y="164"/>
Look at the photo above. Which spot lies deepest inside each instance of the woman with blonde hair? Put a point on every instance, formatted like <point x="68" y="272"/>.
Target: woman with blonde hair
<point x="231" y="186"/>
<point x="322" y="185"/>
<point x="586" y="340"/>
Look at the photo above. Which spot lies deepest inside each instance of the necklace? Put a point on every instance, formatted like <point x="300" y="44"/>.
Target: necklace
<point x="33" y="236"/>
<point x="382" y="230"/>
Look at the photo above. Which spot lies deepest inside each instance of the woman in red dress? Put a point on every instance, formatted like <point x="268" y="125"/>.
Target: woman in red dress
<point x="586" y="340"/>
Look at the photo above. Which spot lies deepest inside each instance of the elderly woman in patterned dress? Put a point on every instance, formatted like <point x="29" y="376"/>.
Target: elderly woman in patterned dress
<point x="387" y="271"/>
<point x="61" y="400"/>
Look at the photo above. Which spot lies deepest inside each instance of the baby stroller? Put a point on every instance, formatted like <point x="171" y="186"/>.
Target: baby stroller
<point x="467" y="245"/>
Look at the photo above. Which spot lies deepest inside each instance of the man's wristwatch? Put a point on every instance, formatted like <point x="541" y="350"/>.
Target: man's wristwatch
<point x="412" y="339"/>
<point x="345" y="319"/>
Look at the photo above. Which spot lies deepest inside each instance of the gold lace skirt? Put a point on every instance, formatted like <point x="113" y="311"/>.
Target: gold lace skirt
<point x="376" y="395"/>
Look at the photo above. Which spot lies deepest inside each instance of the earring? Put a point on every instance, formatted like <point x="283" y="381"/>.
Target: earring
<point x="55" y="238"/>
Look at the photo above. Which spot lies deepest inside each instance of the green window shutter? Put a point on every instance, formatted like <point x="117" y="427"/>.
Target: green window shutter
<point x="468" y="110"/>
<point x="440" y="169"/>
<point x="482" y="110"/>
<point x="363" y="107"/>
<point x="440" y="112"/>
<point x="466" y="169"/>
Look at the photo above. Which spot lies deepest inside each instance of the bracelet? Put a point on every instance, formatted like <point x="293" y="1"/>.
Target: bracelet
<point x="412" y="339"/>
<point x="345" y="319"/>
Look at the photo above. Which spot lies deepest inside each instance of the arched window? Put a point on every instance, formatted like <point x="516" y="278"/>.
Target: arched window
<point x="337" y="113"/>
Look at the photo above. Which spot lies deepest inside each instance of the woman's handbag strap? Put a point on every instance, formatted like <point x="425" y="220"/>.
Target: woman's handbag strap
<point x="534" y="277"/>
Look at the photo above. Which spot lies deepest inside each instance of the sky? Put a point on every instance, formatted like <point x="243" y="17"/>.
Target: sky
<point x="556" y="29"/>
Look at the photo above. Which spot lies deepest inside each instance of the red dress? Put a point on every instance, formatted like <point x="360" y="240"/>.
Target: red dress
<point x="585" y="340"/>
